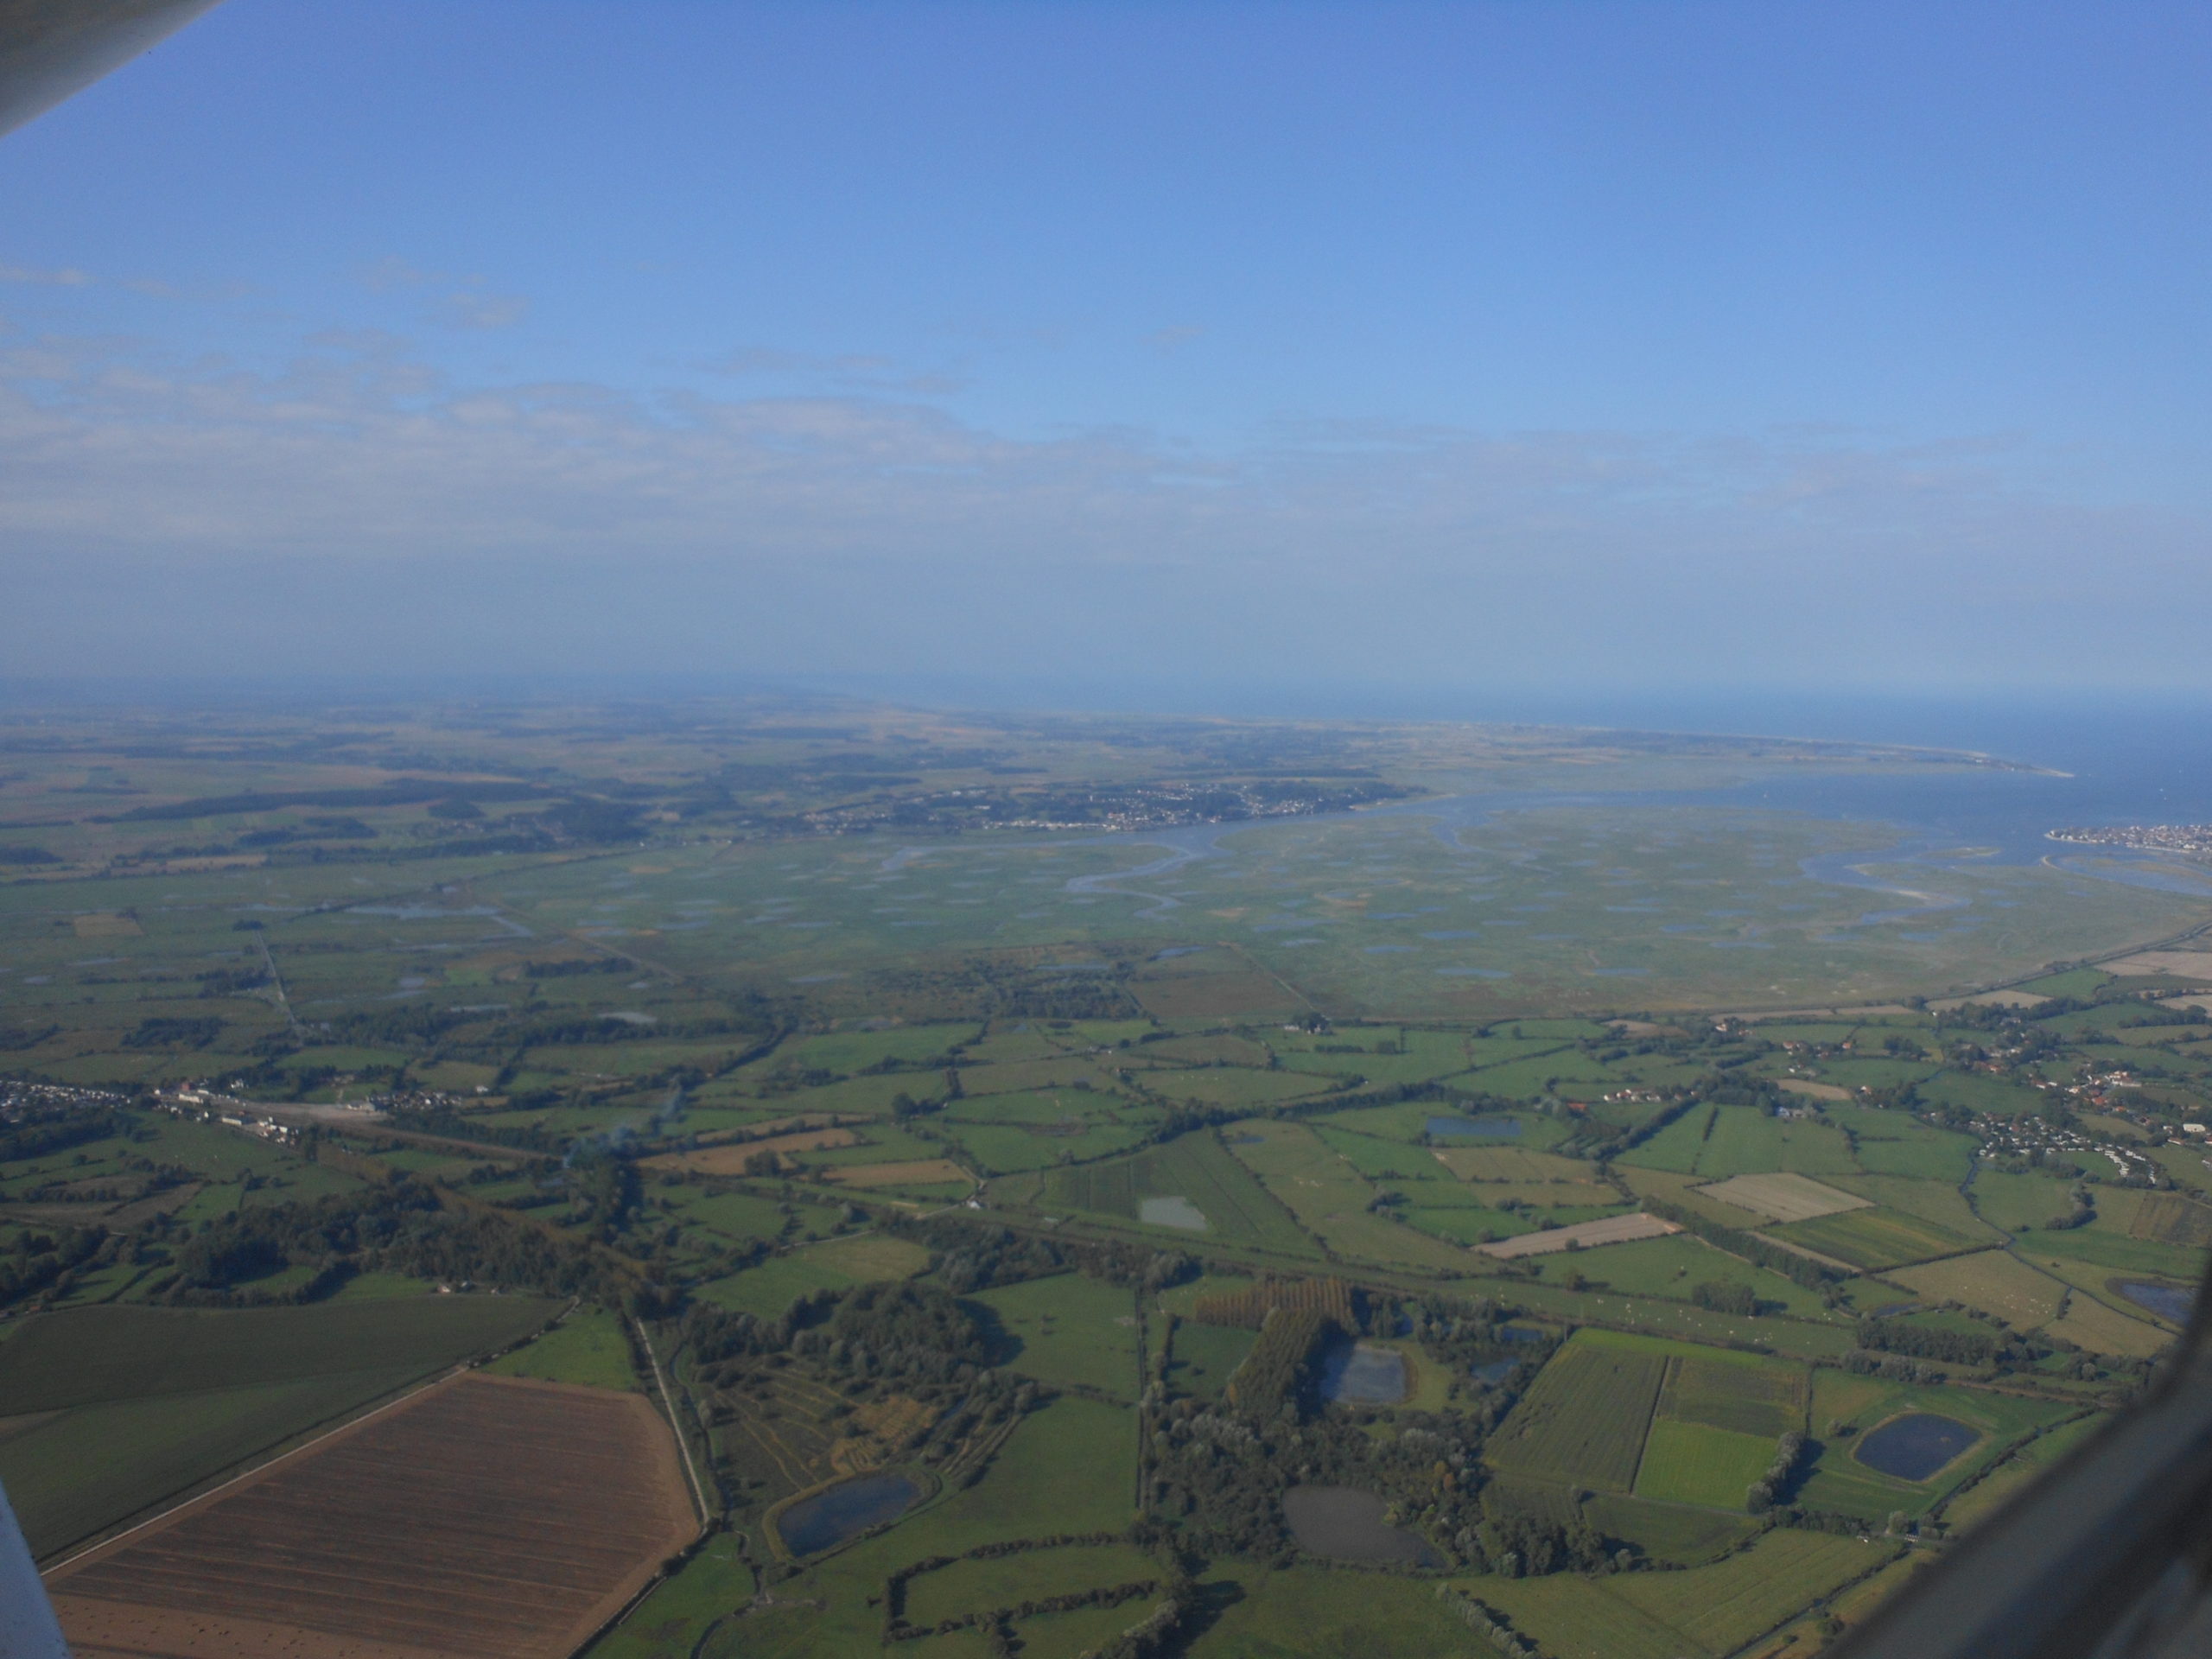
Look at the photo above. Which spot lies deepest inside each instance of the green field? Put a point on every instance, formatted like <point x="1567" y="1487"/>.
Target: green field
<point x="1196" y="1167"/>
<point x="1047" y="1009"/>
<point x="1583" y="1422"/>
<point x="1067" y="1331"/>
<point x="1671" y="1533"/>
<point x="81" y="1358"/>
<point x="679" y="1615"/>
<point x="1742" y="1393"/>
<point x="766" y="1290"/>
<point x="1204" y="1356"/>
<point x="1704" y="1610"/>
<point x="589" y="1347"/>
<point x="1839" y="1482"/>
<point x="1004" y="1581"/>
<point x="90" y="1468"/>
<point x="2129" y="1255"/>
<point x="1330" y="1199"/>
<point x="1876" y="1239"/>
<point x="1695" y="1463"/>
<point x="148" y="1402"/>
<point x="2016" y="1203"/>
<point x="1894" y="1143"/>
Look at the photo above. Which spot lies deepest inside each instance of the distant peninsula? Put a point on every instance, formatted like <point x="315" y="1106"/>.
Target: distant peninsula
<point x="2148" y="837"/>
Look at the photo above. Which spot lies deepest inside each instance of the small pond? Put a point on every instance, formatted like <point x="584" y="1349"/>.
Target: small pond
<point x="1519" y="1333"/>
<point x="1346" y="1524"/>
<point x="1172" y="1212"/>
<point x="2167" y="1301"/>
<point x="1364" y="1374"/>
<point x="1915" y="1445"/>
<point x="1494" y="1373"/>
<point x="814" y="1524"/>
<point x="1486" y="1128"/>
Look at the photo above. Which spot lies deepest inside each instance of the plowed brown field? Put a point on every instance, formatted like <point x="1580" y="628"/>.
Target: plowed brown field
<point x="486" y="1515"/>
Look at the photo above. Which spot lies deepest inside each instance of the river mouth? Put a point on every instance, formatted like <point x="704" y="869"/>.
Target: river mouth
<point x="1914" y="1447"/>
<point x="1346" y="1524"/>
<point x="847" y="1510"/>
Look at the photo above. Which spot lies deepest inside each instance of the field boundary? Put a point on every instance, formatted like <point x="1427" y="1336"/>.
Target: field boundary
<point x="81" y="1549"/>
<point x="276" y="1452"/>
<point x="675" y="1425"/>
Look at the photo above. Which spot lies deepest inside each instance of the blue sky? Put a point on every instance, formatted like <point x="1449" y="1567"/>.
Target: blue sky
<point x="1679" y="345"/>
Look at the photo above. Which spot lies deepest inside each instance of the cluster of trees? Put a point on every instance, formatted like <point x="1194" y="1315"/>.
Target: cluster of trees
<point x="167" y="1030"/>
<point x="973" y="1255"/>
<point x="1727" y="1296"/>
<point x="1489" y="1623"/>
<point x="398" y="1226"/>
<point x="1515" y="1544"/>
<point x="913" y="1341"/>
<point x="1763" y="1493"/>
<point x="444" y="1120"/>
<point x="1221" y="1473"/>
<point x="1274" y="1378"/>
<point x="1896" y="1367"/>
<point x="1927" y="1342"/>
<point x="39" y="1261"/>
<point x="994" y="1620"/>
<point x="38" y="1131"/>
<point x="1250" y="1309"/>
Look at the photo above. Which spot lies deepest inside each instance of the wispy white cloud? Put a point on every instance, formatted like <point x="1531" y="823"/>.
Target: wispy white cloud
<point x="460" y="303"/>
<point x="468" y="310"/>
<point x="822" y="529"/>
<point x="842" y="371"/>
<point x="68" y="276"/>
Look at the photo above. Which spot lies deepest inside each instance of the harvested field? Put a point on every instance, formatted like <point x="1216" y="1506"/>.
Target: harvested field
<point x="491" y="1517"/>
<point x="730" y="1159"/>
<point x="1811" y="1089"/>
<point x="1992" y="999"/>
<point x="105" y="926"/>
<point x="2102" y="1331"/>
<point x="2169" y="1218"/>
<point x="2181" y="964"/>
<point x="1783" y="1198"/>
<point x="923" y="1172"/>
<point x="1584" y="1235"/>
<point x="1994" y="1280"/>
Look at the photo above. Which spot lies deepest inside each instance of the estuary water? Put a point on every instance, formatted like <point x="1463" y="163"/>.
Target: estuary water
<point x="2143" y="760"/>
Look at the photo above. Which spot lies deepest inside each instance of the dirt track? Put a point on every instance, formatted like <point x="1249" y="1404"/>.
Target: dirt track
<point x="488" y="1516"/>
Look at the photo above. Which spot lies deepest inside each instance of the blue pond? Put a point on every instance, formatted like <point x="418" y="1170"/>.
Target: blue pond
<point x="1915" y="1445"/>
<point x="830" y="1517"/>
<point x="1494" y="1373"/>
<point x="1486" y="1128"/>
<point x="2167" y="1301"/>
<point x="1364" y="1374"/>
<point x="1518" y="1333"/>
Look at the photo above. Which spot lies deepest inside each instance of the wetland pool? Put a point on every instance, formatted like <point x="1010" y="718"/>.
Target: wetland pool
<point x="1363" y="1373"/>
<point x="2167" y="1301"/>
<point x="1175" y="1211"/>
<point x="1915" y="1445"/>
<point x="1483" y="1128"/>
<point x="1346" y="1524"/>
<point x="814" y="1524"/>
